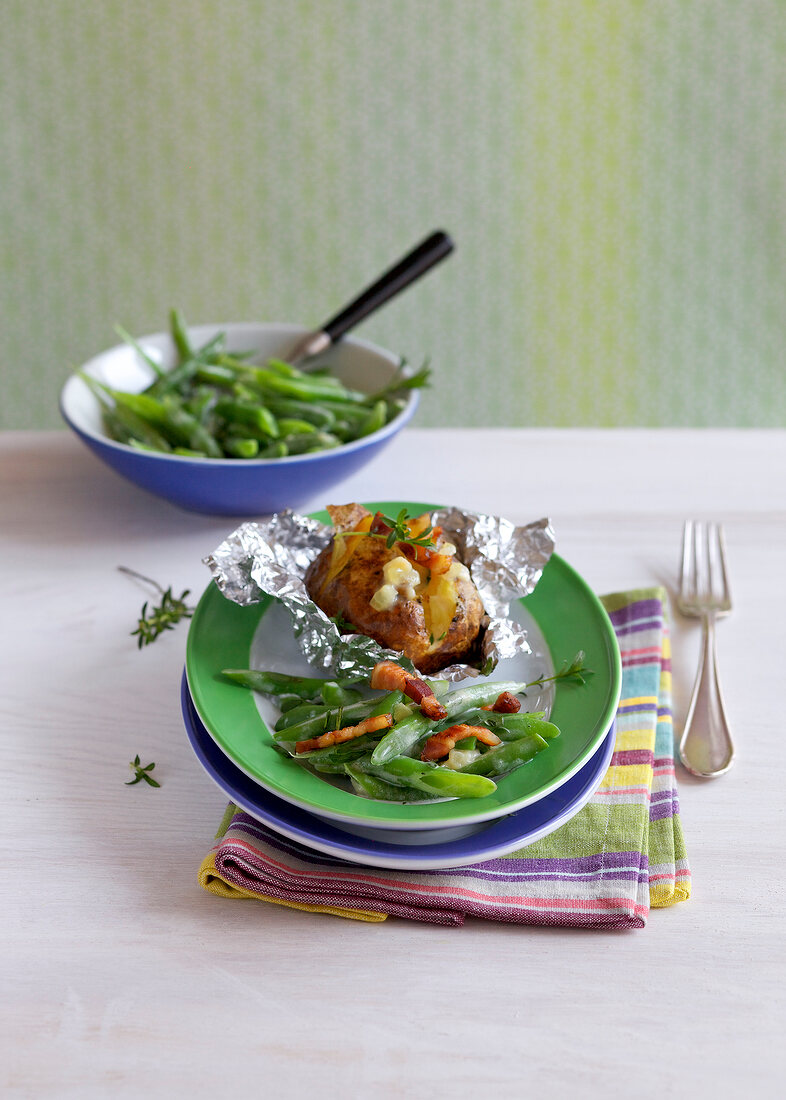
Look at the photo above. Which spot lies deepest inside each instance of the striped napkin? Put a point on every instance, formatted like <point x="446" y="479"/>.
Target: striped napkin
<point x="620" y="856"/>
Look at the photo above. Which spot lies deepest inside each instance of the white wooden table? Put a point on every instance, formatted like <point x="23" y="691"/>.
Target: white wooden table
<point x="121" y="978"/>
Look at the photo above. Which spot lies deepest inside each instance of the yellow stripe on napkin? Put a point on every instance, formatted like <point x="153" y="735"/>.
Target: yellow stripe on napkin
<point x="210" y="880"/>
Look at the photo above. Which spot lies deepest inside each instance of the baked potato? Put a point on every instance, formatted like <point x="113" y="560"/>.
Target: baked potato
<point x="410" y="596"/>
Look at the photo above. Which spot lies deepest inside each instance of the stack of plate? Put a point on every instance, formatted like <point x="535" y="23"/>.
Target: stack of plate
<point x="228" y="727"/>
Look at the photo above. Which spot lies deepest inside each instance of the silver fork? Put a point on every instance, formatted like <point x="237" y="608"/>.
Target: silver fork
<point x="705" y="747"/>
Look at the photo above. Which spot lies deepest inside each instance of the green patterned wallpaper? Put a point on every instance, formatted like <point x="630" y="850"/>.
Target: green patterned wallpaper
<point x="613" y="173"/>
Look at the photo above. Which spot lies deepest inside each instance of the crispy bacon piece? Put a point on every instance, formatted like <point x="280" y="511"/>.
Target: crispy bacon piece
<point x="378" y="525"/>
<point x="505" y="703"/>
<point x="440" y="744"/>
<point x="346" y="733"/>
<point x="388" y="676"/>
<point x="428" y="557"/>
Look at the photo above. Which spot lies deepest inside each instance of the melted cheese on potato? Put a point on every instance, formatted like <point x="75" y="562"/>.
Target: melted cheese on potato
<point x="400" y="577"/>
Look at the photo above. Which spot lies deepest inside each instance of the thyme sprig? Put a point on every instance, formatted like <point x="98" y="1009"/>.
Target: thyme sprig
<point x="163" y="616"/>
<point x="141" y="771"/>
<point x="400" y="532"/>
<point x="574" y="672"/>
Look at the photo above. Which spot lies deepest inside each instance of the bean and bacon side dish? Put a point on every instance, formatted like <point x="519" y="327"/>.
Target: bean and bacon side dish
<point x="403" y="738"/>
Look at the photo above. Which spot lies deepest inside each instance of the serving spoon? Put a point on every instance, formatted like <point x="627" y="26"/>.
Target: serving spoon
<point x="421" y="259"/>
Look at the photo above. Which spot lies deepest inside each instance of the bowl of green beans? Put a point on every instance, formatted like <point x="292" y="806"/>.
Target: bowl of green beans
<point x="215" y="420"/>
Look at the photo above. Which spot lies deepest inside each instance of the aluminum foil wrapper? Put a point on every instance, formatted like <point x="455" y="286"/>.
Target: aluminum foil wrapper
<point x="270" y="559"/>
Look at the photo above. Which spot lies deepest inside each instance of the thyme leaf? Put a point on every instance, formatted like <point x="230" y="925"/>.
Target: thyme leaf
<point x="162" y="616"/>
<point x="399" y="532"/>
<point x="141" y="771"/>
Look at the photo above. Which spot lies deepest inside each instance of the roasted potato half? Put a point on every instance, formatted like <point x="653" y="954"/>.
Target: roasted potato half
<point x="417" y="599"/>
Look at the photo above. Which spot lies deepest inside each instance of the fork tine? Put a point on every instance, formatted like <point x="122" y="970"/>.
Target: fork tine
<point x="699" y="570"/>
<point x="724" y="576"/>
<point x="711" y="550"/>
<point x="710" y="568"/>
<point x="687" y="557"/>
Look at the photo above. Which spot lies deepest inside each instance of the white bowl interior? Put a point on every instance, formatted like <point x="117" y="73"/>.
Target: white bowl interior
<point x="359" y="364"/>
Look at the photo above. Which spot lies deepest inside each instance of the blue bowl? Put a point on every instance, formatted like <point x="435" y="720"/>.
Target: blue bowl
<point x="232" y="487"/>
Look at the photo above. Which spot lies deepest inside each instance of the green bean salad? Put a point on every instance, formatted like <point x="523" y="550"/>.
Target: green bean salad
<point x="217" y="404"/>
<point x="378" y="740"/>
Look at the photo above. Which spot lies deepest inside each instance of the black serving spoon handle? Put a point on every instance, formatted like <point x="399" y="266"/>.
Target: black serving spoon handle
<point x="409" y="268"/>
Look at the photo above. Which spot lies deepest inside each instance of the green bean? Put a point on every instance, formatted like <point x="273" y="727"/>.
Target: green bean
<point x="344" y="430"/>
<point x="189" y="452"/>
<point x="440" y="782"/>
<point x="241" y="412"/>
<point x="370" y="786"/>
<point x="215" y="375"/>
<point x="304" y="388"/>
<point x="295" y="715"/>
<point x="375" y="420"/>
<point x="506" y="757"/>
<point x="299" y="444"/>
<point x="514" y="726"/>
<point x="287" y="702"/>
<point x="277" y="449"/>
<point x="354" y="412"/>
<point x="317" y="415"/>
<point x="179" y="335"/>
<point x="336" y="695"/>
<point x="286" y="370"/>
<point x="241" y="447"/>
<point x="505" y="725"/>
<point x="140" y="404"/>
<point x="281" y="683"/>
<point x="387" y="704"/>
<point x="402" y="737"/>
<point x="293" y="426"/>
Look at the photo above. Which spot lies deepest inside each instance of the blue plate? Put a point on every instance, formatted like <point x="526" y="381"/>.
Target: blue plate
<point x="422" y="849"/>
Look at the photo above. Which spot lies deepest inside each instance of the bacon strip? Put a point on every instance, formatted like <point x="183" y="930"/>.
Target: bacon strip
<point x="505" y="703"/>
<point x="388" y="676"/>
<point x="428" y="557"/>
<point x="440" y="744"/>
<point x="346" y="733"/>
<point x="378" y="525"/>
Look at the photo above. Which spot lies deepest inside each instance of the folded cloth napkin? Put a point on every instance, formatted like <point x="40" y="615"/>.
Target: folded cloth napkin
<point x="620" y="856"/>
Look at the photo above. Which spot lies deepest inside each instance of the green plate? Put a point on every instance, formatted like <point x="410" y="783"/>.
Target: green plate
<point x="563" y="615"/>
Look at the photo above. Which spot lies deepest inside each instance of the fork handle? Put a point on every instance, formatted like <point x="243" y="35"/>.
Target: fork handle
<point x="706" y="747"/>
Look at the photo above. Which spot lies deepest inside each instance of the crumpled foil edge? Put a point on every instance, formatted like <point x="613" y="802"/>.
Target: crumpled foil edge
<point x="271" y="558"/>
